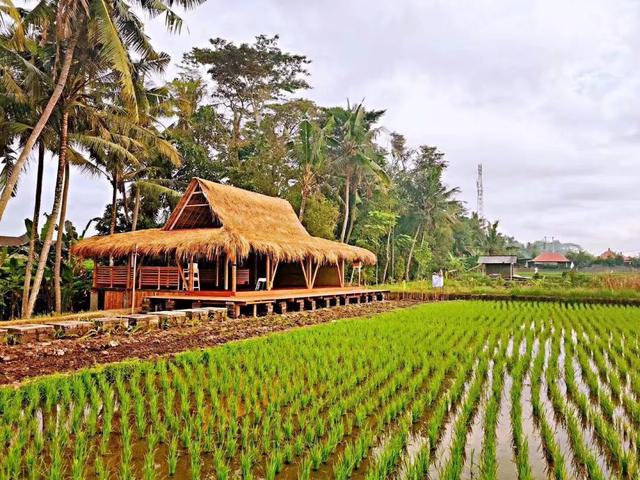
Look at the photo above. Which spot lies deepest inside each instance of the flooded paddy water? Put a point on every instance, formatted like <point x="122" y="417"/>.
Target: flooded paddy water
<point x="403" y="395"/>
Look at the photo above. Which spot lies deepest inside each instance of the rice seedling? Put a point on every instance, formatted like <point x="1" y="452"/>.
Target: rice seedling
<point x="316" y="402"/>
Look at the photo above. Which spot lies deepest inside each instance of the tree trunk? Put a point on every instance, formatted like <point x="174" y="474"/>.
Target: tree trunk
<point x="352" y="221"/>
<point x="136" y="210"/>
<point x="37" y="129"/>
<point x="407" y="272"/>
<point x="347" y="195"/>
<point x="393" y="252"/>
<point x="35" y="223"/>
<point x="124" y="203"/>
<point x="59" y="241"/>
<point x="388" y="257"/>
<point x="114" y="208"/>
<point x="55" y="212"/>
<point x="303" y="204"/>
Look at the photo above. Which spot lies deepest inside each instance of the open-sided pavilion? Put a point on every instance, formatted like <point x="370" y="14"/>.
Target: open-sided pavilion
<point x="223" y="245"/>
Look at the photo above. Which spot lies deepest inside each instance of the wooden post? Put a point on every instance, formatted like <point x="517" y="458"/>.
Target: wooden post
<point x="268" y="261"/>
<point x="304" y="272"/>
<point x="133" y="289"/>
<point x="342" y="273"/>
<point x="234" y="268"/>
<point x="309" y="279"/>
<point x="191" y="274"/>
<point x="226" y="272"/>
<point x="181" y="273"/>
<point x="95" y="275"/>
<point x="218" y="270"/>
<point x="129" y="271"/>
<point x="274" y="269"/>
<point x="315" y="274"/>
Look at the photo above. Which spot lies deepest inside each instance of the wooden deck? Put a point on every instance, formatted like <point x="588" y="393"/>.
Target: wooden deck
<point x="264" y="301"/>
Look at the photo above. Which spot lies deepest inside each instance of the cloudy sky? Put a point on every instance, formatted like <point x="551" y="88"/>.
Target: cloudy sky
<point x="545" y="94"/>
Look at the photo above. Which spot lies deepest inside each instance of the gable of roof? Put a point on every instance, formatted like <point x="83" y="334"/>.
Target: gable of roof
<point x="551" y="257"/>
<point x="497" y="259"/>
<point x="241" y="222"/>
<point x="242" y="212"/>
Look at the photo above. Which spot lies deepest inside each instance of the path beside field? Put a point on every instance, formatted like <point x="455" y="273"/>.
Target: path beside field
<point x="20" y="362"/>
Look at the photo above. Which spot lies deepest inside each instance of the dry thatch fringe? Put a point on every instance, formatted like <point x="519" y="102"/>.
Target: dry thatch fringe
<point x="251" y="222"/>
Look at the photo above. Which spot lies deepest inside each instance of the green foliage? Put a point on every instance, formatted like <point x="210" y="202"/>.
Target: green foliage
<point x="321" y="217"/>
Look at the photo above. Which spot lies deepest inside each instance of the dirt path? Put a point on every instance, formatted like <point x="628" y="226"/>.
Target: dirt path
<point x="24" y="361"/>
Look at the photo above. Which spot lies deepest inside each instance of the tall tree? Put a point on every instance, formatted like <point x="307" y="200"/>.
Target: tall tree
<point x="110" y="26"/>
<point x="247" y="79"/>
<point x="356" y="154"/>
<point x="433" y="203"/>
<point x="311" y="157"/>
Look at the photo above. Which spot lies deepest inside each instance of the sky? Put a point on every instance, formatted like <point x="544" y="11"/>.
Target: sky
<point x="544" y="94"/>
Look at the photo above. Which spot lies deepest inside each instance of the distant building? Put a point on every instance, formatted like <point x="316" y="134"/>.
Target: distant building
<point x="550" y="259"/>
<point x="498" y="265"/>
<point x="6" y="241"/>
<point x="609" y="254"/>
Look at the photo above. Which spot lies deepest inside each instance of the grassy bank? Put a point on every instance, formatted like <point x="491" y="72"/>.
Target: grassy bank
<point x="570" y="286"/>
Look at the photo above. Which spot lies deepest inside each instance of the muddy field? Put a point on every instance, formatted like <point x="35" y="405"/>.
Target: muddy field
<point x="24" y="361"/>
<point x="446" y="390"/>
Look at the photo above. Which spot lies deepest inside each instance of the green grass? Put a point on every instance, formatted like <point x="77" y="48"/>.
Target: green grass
<point x="529" y="290"/>
<point x="350" y="398"/>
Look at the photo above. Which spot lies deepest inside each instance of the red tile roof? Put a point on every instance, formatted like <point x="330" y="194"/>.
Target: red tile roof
<point x="551" y="257"/>
<point x="608" y="255"/>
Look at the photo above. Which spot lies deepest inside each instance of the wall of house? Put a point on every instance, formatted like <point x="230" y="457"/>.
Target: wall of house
<point x="289" y="275"/>
<point x="504" y="270"/>
<point x="328" y="276"/>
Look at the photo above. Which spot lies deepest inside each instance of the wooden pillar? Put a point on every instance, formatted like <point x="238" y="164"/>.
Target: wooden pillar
<point x="268" y="262"/>
<point x="342" y="273"/>
<point x="191" y="274"/>
<point x="234" y="268"/>
<point x="218" y="271"/>
<point x="226" y="273"/>
<point x="129" y="271"/>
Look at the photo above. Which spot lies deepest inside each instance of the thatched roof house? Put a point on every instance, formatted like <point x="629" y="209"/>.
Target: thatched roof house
<point x="212" y="218"/>
<point x="219" y="239"/>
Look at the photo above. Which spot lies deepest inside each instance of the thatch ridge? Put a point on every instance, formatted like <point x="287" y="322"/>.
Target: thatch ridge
<point x="251" y="222"/>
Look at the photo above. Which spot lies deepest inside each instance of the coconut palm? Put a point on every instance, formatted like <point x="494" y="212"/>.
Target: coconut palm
<point x="107" y="133"/>
<point x="111" y="27"/>
<point x="356" y="154"/>
<point x="311" y="155"/>
<point x="433" y="203"/>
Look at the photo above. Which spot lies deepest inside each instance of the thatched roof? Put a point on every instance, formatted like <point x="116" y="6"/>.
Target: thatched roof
<point x="212" y="218"/>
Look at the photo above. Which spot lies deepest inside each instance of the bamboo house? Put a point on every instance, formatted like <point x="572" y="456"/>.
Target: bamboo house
<point x="222" y="245"/>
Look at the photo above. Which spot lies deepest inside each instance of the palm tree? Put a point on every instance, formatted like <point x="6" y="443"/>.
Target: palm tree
<point x="109" y="26"/>
<point x="311" y="154"/>
<point x="434" y="204"/>
<point x="356" y="154"/>
<point x="494" y="242"/>
<point x="103" y="127"/>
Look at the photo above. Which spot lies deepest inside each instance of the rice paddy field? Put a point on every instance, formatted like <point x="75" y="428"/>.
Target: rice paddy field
<point x="446" y="390"/>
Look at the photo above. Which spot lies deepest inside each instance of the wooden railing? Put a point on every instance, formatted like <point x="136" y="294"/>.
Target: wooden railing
<point x="111" y="277"/>
<point x="147" y="277"/>
<point x="159" y="277"/>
